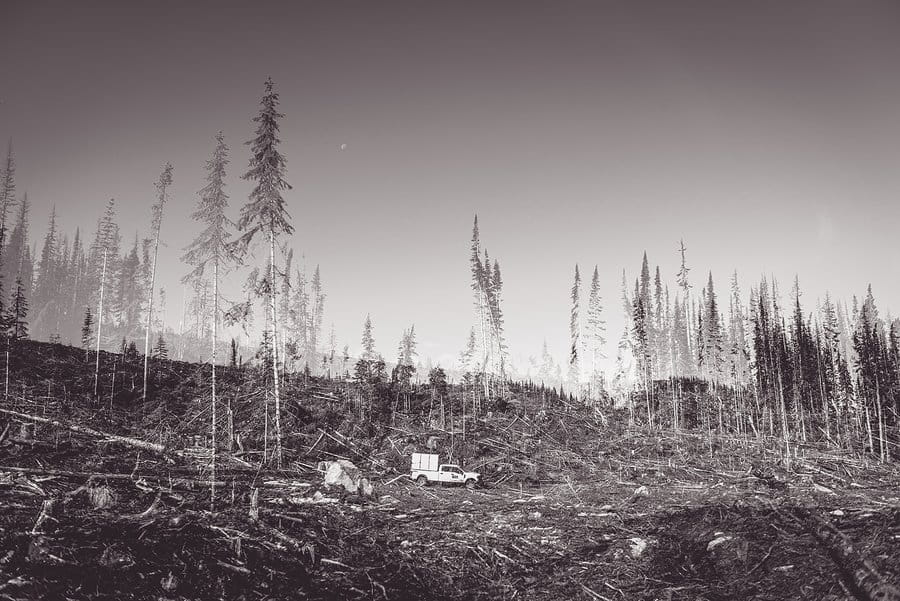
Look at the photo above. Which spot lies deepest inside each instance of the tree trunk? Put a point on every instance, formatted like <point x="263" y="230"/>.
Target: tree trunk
<point x="484" y="346"/>
<point x="150" y="313"/>
<point x="99" y="324"/>
<point x="882" y="441"/>
<point x="127" y="440"/>
<point x="215" y="332"/>
<point x="272" y="301"/>
<point x="784" y="424"/>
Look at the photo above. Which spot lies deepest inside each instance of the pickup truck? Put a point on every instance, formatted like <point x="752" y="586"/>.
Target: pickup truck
<point x="425" y="469"/>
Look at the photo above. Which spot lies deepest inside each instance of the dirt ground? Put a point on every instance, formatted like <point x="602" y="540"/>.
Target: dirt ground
<point x="143" y="530"/>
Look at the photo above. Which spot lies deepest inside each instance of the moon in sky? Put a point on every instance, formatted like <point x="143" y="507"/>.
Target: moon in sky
<point x="343" y="147"/>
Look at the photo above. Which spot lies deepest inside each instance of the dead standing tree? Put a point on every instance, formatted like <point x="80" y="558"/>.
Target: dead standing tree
<point x="162" y="187"/>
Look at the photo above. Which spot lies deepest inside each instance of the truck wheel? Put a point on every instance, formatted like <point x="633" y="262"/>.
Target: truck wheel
<point x="421" y="481"/>
<point x="470" y="484"/>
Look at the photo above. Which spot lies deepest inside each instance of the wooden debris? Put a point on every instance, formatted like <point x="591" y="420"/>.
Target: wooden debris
<point x="126" y="440"/>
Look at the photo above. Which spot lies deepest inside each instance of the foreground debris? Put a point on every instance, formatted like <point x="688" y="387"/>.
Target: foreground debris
<point x="670" y="532"/>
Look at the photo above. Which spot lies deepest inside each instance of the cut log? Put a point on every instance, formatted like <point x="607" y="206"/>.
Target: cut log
<point x="126" y="440"/>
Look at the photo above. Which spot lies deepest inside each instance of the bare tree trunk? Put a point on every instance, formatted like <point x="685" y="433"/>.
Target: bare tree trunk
<point x="484" y="346"/>
<point x="784" y="424"/>
<point x="181" y="342"/>
<point x="99" y="324"/>
<point x="869" y="427"/>
<point x="215" y="332"/>
<point x="882" y="441"/>
<point x="150" y="314"/>
<point x="272" y="293"/>
<point x="133" y="442"/>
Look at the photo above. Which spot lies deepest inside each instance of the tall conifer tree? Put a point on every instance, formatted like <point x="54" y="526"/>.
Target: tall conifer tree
<point x="210" y="249"/>
<point x="266" y="214"/>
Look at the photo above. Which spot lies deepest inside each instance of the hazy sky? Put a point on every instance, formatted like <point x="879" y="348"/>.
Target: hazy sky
<point x="766" y="134"/>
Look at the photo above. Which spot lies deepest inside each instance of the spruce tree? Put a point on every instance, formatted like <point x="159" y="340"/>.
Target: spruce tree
<point x="368" y="341"/>
<point x="46" y="290"/>
<point x="7" y="203"/>
<point x="210" y="249"/>
<point x="467" y="358"/>
<point x="481" y="301"/>
<point x="160" y="349"/>
<point x="87" y="327"/>
<point x="103" y="252"/>
<point x="317" y="298"/>
<point x="266" y="214"/>
<point x="496" y="292"/>
<point x="596" y="331"/>
<point x="575" y="333"/>
<point x="660" y="339"/>
<point x="16" y="255"/>
<point x="406" y="353"/>
<point x="18" y="312"/>
<point x="711" y="339"/>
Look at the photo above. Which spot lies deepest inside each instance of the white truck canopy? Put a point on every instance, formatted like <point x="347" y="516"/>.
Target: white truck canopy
<point x="425" y="462"/>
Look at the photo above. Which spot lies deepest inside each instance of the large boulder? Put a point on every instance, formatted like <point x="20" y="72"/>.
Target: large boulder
<point x="344" y="473"/>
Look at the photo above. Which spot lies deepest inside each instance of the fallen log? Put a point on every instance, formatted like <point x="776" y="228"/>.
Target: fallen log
<point x="126" y="440"/>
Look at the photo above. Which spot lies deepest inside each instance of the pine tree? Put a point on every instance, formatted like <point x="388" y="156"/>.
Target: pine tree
<point x="162" y="191"/>
<point x="266" y="214"/>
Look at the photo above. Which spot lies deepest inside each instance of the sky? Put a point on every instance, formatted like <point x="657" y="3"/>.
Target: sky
<point x="765" y="134"/>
